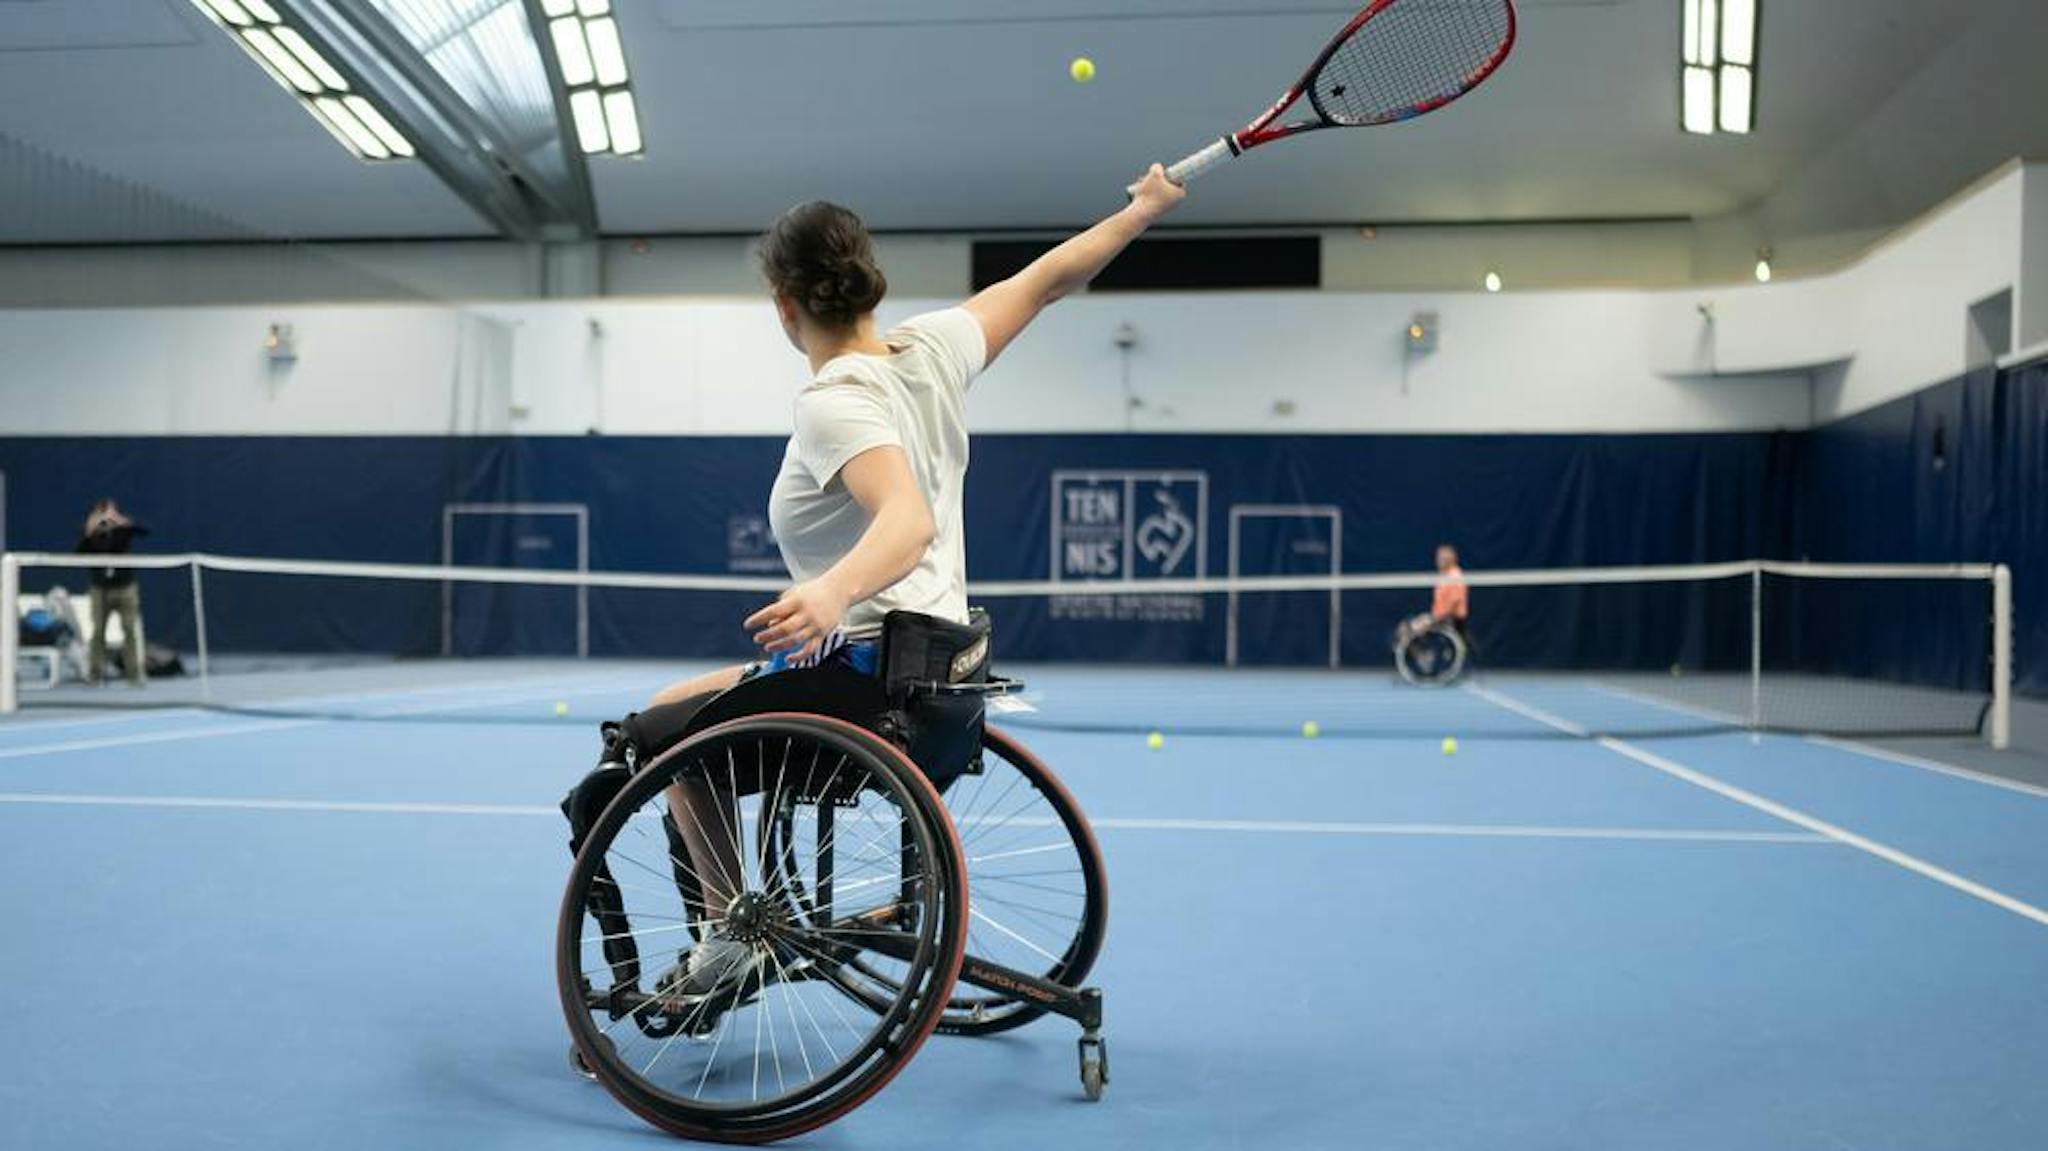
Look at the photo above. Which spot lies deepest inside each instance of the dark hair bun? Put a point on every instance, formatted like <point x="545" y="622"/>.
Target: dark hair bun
<point x="821" y="256"/>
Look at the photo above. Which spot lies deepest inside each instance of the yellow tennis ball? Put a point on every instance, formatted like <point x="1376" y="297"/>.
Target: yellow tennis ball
<point x="1082" y="69"/>
<point x="1311" y="729"/>
<point x="1450" y="746"/>
<point x="1155" y="741"/>
<point x="561" y="708"/>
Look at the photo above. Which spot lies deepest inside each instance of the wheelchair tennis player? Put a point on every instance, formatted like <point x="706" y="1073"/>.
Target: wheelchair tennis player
<point x="1432" y="648"/>
<point x="867" y="506"/>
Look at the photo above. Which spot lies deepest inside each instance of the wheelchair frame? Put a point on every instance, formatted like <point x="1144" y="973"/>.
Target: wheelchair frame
<point x="861" y="708"/>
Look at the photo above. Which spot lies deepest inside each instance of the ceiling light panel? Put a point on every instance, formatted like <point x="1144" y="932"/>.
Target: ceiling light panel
<point x="299" y="67"/>
<point x="590" y="65"/>
<point x="1717" y="65"/>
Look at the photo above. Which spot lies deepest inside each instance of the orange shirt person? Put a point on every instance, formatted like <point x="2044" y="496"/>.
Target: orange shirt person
<point x="1449" y="604"/>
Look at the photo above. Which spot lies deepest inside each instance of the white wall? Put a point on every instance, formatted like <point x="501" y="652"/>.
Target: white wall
<point x="1209" y="363"/>
<point x="1204" y="363"/>
<point x="202" y="371"/>
<point x="1521" y="361"/>
<point x="1893" y="322"/>
<point x="2030" y="309"/>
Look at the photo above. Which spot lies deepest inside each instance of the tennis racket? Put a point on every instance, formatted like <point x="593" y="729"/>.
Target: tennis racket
<point x="1396" y="60"/>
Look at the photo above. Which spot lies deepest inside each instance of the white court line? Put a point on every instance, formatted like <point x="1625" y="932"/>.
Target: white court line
<point x="1706" y="713"/>
<point x="1849" y="745"/>
<point x="1771" y="807"/>
<point x="1270" y="827"/>
<point x="258" y="727"/>
<point x="24" y="724"/>
<point x="235" y="804"/>
<point x="574" y="687"/>
<point x="1934" y="765"/>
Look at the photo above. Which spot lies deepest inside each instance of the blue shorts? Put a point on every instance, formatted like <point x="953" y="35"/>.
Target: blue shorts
<point x="862" y="655"/>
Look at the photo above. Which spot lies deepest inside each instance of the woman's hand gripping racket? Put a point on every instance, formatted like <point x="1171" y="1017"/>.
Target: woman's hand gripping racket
<point x="1396" y="60"/>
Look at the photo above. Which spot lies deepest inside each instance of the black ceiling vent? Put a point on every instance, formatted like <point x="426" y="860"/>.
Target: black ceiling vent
<point x="1196" y="263"/>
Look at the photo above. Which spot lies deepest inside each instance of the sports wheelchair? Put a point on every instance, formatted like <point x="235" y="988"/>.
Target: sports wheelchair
<point x="905" y="868"/>
<point x="1432" y="653"/>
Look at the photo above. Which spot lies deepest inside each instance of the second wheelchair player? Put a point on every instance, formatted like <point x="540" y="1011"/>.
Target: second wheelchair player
<point x="1433" y="647"/>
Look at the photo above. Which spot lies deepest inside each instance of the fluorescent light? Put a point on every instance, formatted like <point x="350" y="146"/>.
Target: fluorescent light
<point x="1493" y="283"/>
<point x="587" y="108"/>
<point x="624" y="118"/>
<point x="284" y="51"/>
<point x="570" y="49"/>
<point x="226" y="10"/>
<point x="286" y="64"/>
<point x="359" y="137"/>
<point x="594" y="7"/>
<point x="1738" y="31"/>
<point x="607" y="55"/>
<point x="554" y="8"/>
<point x="313" y="60"/>
<point x="1738" y="109"/>
<point x="1699" y="101"/>
<point x="1709" y="48"/>
<point x="375" y="122"/>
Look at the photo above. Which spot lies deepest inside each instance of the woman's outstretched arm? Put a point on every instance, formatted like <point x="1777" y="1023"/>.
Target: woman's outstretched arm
<point x="1006" y="309"/>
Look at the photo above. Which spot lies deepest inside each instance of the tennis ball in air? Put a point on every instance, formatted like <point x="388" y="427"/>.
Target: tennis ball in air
<point x="1450" y="746"/>
<point x="561" y="708"/>
<point x="1311" y="729"/>
<point x="1155" y="741"/>
<point x="1082" y="69"/>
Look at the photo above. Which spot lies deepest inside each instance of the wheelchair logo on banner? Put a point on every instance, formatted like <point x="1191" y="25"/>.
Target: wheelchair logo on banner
<point x="1129" y="525"/>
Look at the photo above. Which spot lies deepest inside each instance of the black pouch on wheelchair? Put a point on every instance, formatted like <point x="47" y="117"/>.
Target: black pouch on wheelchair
<point x="921" y="655"/>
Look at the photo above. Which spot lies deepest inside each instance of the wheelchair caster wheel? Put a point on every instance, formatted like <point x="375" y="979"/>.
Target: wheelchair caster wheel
<point x="582" y="1068"/>
<point x="1094" y="1066"/>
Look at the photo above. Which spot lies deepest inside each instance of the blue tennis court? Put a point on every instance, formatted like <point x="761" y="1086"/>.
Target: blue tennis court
<point x="236" y="930"/>
<point x="1411" y="575"/>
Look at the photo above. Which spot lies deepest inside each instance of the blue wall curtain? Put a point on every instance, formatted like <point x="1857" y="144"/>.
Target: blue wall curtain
<point x="1955" y="472"/>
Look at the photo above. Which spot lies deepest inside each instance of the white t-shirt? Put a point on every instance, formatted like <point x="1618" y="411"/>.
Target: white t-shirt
<point x="915" y="399"/>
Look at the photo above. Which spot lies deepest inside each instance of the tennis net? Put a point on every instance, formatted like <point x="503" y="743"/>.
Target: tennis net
<point x="1864" y="650"/>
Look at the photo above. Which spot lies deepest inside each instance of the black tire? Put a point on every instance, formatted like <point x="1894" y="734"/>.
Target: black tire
<point x="1070" y="887"/>
<point x="1431" y="657"/>
<point x="659" y="1052"/>
<point x="1037" y="891"/>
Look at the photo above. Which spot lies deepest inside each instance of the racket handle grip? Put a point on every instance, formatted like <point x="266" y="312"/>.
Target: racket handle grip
<point x="1200" y="162"/>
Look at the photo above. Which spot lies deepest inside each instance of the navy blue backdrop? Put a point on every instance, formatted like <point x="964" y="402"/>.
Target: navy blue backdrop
<point x="1951" y="473"/>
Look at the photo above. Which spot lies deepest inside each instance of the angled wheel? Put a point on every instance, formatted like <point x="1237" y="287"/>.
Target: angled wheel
<point x="1038" y="898"/>
<point x="851" y="906"/>
<point x="1037" y="892"/>
<point x="1431" y="657"/>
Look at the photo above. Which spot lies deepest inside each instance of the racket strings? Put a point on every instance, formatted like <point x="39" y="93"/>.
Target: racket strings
<point x="1412" y="57"/>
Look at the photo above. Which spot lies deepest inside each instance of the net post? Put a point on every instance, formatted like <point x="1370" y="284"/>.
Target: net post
<point x="1756" y="648"/>
<point x="2001" y="657"/>
<point x="199" y="623"/>
<point x="10" y="630"/>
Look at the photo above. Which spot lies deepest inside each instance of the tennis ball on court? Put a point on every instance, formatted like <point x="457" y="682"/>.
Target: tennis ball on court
<point x="1155" y="741"/>
<point x="1311" y="729"/>
<point x="561" y="708"/>
<point x="1676" y="671"/>
<point x="1450" y="746"/>
<point x="1082" y="69"/>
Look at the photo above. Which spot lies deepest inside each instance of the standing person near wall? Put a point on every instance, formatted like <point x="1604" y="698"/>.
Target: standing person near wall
<point x="109" y="531"/>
